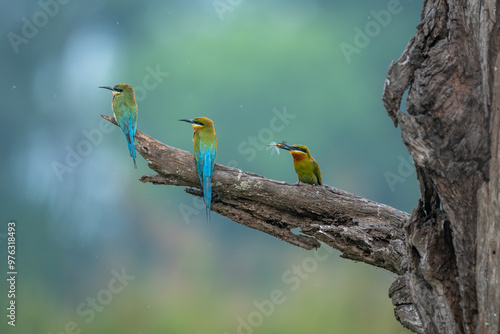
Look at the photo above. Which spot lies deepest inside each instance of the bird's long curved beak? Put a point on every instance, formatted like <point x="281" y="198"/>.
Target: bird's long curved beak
<point x="187" y="120"/>
<point x="106" y="87"/>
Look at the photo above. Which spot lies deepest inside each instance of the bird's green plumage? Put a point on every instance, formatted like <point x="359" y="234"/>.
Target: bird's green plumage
<point x="204" y="135"/>
<point x="306" y="167"/>
<point x="124" y="104"/>
<point x="205" y="150"/>
<point x="125" y="112"/>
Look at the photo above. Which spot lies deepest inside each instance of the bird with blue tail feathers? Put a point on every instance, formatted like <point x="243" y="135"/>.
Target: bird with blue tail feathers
<point x="125" y="111"/>
<point x="205" y="149"/>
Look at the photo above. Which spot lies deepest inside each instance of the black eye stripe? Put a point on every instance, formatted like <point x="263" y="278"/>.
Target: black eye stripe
<point x="198" y="123"/>
<point x="119" y="90"/>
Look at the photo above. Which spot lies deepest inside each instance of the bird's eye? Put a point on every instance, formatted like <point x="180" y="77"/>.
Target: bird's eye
<point x="300" y="149"/>
<point x="119" y="90"/>
<point x="198" y="123"/>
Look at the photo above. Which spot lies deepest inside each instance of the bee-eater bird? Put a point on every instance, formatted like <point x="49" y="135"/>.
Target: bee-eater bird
<point x="205" y="149"/>
<point x="125" y="111"/>
<point x="306" y="167"/>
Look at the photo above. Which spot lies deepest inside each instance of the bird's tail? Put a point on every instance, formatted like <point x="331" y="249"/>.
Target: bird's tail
<point x="207" y="195"/>
<point x="209" y="220"/>
<point x="131" y="147"/>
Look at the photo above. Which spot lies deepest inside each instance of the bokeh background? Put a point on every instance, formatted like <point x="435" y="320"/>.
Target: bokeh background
<point x="100" y="252"/>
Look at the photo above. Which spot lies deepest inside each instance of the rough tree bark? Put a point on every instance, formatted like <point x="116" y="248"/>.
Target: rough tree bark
<point x="451" y="130"/>
<point x="447" y="253"/>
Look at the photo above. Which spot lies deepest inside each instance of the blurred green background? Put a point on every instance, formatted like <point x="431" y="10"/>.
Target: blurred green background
<point x="100" y="252"/>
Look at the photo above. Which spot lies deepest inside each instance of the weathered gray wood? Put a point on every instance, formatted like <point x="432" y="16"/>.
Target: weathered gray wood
<point x="405" y="311"/>
<point x="453" y="234"/>
<point x="488" y="229"/>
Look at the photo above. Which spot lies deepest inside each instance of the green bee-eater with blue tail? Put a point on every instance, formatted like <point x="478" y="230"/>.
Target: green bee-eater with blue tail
<point x="205" y="149"/>
<point x="125" y="111"/>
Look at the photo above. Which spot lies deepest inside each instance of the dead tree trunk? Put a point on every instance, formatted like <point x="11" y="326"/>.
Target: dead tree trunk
<point x="451" y="130"/>
<point x="447" y="252"/>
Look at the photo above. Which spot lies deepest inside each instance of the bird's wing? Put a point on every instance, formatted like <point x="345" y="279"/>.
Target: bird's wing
<point x="126" y="117"/>
<point x="317" y="171"/>
<point x="199" y="157"/>
<point x="205" y="165"/>
<point x="208" y="170"/>
<point x="128" y="128"/>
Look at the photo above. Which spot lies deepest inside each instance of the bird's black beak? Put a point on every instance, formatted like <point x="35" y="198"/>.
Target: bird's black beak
<point x="287" y="147"/>
<point x="185" y="120"/>
<point x="110" y="88"/>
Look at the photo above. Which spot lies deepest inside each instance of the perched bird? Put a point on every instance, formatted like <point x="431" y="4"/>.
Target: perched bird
<point x="306" y="167"/>
<point x="205" y="149"/>
<point x="125" y="111"/>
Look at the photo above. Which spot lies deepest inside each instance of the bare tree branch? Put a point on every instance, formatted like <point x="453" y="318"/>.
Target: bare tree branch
<point x="362" y="229"/>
